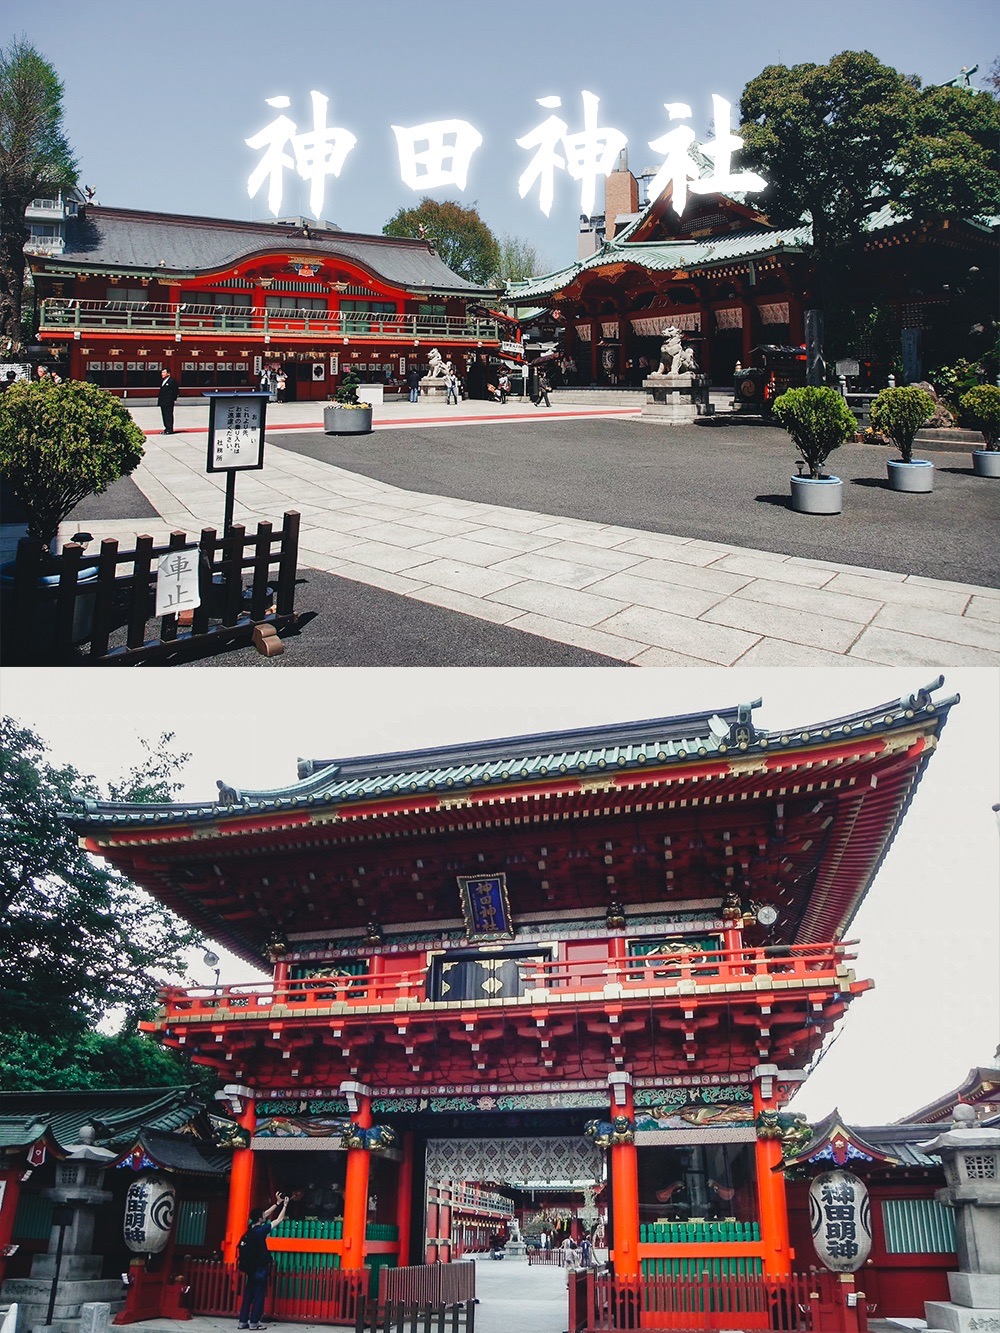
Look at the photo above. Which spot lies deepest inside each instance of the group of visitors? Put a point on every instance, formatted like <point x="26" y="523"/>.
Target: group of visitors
<point x="274" y="382"/>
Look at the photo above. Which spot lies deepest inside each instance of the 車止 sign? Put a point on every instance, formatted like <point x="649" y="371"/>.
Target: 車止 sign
<point x="840" y="1220"/>
<point x="236" y="431"/>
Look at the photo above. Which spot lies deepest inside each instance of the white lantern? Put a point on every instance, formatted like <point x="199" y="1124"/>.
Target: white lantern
<point x="840" y="1218"/>
<point x="149" y="1215"/>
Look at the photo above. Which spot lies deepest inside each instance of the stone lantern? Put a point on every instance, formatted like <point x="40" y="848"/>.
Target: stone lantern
<point x="68" y="1276"/>
<point x="970" y="1154"/>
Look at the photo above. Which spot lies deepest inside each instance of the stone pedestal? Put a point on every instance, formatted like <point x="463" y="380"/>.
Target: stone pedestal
<point x="670" y="399"/>
<point x="970" y="1154"/>
<point x="515" y="1249"/>
<point x="434" y="388"/>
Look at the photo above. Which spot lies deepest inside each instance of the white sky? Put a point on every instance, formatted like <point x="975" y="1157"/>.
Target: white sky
<point x="159" y="99"/>
<point x="929" y="930"/>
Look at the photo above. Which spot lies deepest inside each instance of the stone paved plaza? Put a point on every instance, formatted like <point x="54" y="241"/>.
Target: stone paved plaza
<point x="642" y="545"/>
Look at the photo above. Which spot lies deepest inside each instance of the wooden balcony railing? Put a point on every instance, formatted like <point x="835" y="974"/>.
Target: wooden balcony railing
<point x="785" y="967"/>
<point x="59" y="314"/>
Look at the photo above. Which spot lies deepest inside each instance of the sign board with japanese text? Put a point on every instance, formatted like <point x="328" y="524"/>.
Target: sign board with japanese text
<point x="485" y="906"/>
<point x="840" y="1220"/>
<point x="236" y="431"/>
<point x="177" y="582"/>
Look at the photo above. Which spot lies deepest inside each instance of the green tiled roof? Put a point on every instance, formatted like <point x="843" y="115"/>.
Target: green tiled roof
<point x="659" y="255"/>
<point x="116" y="1114"/>
<point x="589" y="752"/>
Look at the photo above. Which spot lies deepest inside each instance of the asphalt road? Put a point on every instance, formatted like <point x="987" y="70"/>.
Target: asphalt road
<point x="726" y="483"/>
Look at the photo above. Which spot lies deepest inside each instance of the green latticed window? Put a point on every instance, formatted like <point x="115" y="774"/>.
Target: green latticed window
<point x="192" y="1217"/>
<point x="918" y="1226"/>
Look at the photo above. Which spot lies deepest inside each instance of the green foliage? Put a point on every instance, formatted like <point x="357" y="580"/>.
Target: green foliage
<point x="79" y="939"/>
<point x="951" y="162"/>
<point x="952" y="382"/>
<point x="60" y="443"/>
<point x="459" y="235"/>
<point x="899" y="413"/>
<point x="347" y="391"/>
<point x="818" y="420"/>
<point x="35" y="159"/>
<point x="93" y="1060"/>
<point x="980" y="410"/>
<point x="825" y="138"/>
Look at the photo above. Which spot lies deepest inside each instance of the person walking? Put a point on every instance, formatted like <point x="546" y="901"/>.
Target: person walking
<point x="255" y="1261"/>
<point x="503" y="386"/>
<point x="451" y="384"/>
<point x="413" y="380"/>
<point x="165" y="400"/>
<point x="543" y="389"/>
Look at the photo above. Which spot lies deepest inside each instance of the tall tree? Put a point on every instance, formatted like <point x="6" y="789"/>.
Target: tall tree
<point x="459" y="235"/>
<point x="825" y="137"/>
<point x="78" y="939"/>
<point x="35" y="159"/>
<point x="951" y="162"/>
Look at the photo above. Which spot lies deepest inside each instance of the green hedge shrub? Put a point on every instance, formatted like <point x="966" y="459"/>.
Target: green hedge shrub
<point x="60" y="443"/>
<point x="899" y="413"/>
<point x="818" y="420"/>
<point x="980" y="410"/>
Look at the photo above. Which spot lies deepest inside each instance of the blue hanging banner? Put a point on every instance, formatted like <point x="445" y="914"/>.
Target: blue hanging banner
<point x="485" y="906"/>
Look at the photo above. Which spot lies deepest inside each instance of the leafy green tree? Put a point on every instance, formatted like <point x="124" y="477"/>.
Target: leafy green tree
<point x="825" y="137"/>
<point x="78" y="939"/>
<point x="35" y="159"/>
<point x="951" y="163"/>
<point x="93" y="1060"/>
<point x="459" y="235"/>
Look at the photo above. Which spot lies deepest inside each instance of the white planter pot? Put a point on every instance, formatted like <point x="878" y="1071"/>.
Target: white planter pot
<point x="820" y="495"/>
<point x="347" y="420"/>
<point x="986" y="462"/>
<point x="916" y="476"/>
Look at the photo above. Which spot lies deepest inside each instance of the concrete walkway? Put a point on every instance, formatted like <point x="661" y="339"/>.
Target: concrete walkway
<point x="646" y="599"/>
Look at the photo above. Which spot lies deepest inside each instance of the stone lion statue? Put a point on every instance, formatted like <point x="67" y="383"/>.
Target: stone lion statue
<point x="436" y="368"/>
<point x="674" y="356"/>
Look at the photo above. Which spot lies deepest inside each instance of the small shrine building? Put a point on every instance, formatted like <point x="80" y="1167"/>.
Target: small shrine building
<point x="608" y="955"/>
<point x="217" y="301"/>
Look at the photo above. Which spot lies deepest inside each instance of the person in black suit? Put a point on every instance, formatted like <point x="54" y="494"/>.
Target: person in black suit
<point x="165" y="400"/>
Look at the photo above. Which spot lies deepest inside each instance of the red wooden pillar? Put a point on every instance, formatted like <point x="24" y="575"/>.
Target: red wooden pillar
<point x="771" y="1201"/>
<point x="359" y="1103"/>
<point x="241" y="1176"/>
<point x="624" y="1183"/>
<point x="404" y="1198"/>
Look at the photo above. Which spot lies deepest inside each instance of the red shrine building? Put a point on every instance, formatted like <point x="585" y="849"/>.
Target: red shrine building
<point x="732" y="282"/>
<point x="216" y="302"/>
<point x="591" y="965"/>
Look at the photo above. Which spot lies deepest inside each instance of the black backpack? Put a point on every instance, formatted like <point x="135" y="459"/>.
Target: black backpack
<point x="252" y="1253"/>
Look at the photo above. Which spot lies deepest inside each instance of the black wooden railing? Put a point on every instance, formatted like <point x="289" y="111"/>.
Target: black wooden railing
<point x="100" y="612"/>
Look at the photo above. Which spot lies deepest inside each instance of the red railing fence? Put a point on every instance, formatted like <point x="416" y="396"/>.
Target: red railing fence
<point x="297" y="1292"/>
<point x="818" y="1302"/>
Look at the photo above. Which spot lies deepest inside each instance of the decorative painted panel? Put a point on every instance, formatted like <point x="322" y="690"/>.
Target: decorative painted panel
<point x="514" y="1161"/>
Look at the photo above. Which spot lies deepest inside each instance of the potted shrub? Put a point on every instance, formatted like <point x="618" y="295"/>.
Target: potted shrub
<point x="60" y="443"/>
<point x="980" y="410"/>
<point x="346" y="415"/>
<point x="819" y="421"/>
<point x="899" y="413"/>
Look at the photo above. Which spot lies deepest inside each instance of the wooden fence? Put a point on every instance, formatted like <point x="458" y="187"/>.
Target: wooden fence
<point x="73" y="615"/>
<point x="811" y="1303"/>
<point x="405" y="1317"/>
<point x="428" y="1284"/>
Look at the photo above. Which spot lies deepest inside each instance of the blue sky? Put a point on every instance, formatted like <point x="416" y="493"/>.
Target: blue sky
<point x="160" y="98"/>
